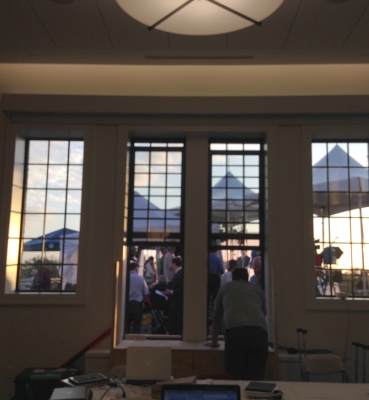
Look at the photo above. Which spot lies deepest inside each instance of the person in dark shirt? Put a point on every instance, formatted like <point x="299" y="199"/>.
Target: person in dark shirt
<point x="175" y="294"/>
<point x="42" y="278"/>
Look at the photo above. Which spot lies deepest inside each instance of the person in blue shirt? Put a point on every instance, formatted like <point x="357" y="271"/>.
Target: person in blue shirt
<point x="215" y="271"/>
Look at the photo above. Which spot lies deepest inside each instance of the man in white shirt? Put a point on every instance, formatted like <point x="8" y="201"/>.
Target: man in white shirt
<point x="137" y="290"/>
<point x="241" y="307"/>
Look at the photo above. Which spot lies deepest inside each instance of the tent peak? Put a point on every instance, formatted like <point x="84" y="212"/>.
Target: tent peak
<point x="337" y="157"/>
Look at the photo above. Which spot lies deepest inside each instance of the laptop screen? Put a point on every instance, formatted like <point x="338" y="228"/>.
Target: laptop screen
<point x="200" y="392"/>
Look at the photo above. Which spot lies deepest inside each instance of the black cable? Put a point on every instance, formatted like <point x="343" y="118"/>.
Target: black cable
<point x="112" y="386"/>
<point x="107" y="390"/>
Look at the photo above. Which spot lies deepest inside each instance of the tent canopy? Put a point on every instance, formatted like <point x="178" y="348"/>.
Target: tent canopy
<point x="344" y="175"/>
<point x="51" y="241"/>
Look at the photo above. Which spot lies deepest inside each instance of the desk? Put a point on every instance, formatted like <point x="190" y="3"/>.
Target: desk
<point x="189" y="358"/>
<point x="291" y="391"/>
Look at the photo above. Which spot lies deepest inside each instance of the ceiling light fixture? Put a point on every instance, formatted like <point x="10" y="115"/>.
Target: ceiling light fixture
<point x="199" y="17"/>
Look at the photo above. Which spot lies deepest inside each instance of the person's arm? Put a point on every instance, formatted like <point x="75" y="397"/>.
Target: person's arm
<point x="214" y="333"/>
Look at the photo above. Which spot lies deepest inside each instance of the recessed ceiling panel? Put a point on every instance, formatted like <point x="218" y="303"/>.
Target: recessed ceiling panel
<point x="271" y="34"/>
<point x="126" y="32"/>
<point x="73" y="25"/>
<point x="323" y="24"/>
<point x="20" y="27"/>
<point x="359" y="37"/>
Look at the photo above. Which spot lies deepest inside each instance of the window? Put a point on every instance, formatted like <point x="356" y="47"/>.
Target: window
<point x="155" y="218"/>
<point x="236" y="207"/>
<point x="341" y="218"/>
<point x="45" y="216"/>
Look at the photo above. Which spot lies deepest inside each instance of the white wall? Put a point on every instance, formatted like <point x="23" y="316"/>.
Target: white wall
<point x="44" y="335"/>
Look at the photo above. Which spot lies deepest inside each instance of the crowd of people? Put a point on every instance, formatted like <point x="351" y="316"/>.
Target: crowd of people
<point x="161" y="285"/>
<point x="160" y="289"/>
<point x="218" y="276"/>
<point x="236" y="294"/>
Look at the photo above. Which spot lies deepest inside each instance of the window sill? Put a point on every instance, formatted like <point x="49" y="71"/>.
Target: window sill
<point x="175" y="344"/>
<point x="337" y="303"/>
<point x="45" y="299"/>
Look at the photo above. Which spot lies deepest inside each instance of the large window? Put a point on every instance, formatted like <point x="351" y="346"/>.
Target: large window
<point x="155" y="223"/>
<point x="341" y="218"/>
<point x="236" y="209"/>
<point x="45" y="215"/>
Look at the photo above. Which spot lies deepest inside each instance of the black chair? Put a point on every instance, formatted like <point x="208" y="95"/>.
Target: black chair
<point x="321" y="363"/>
<point x="364" y="349"/>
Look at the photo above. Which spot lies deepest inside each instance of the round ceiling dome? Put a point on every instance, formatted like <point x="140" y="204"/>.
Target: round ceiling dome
<point x="199" y="17"/>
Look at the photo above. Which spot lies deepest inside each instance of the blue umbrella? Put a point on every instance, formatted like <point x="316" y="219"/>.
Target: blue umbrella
<point x="51" y="241"/>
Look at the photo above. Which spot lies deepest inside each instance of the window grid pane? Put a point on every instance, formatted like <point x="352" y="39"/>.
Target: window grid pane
<point x="156" y="192"/>
<point x="232" y="202"/>
<point x="340" y="206"/>
<point x="48" y="256"/>
<point x="235" y="199"/>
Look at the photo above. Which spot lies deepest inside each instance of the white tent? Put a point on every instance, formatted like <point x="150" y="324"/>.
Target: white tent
<point x="69" y="258"/>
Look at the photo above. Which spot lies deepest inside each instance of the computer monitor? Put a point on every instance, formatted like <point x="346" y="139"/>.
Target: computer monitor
<point x="200" y="392"/>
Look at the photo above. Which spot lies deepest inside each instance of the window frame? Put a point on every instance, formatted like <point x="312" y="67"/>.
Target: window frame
<point x="65" y="213"/>
<point x="331" y="270"/>
<point x="308" y="135"/>
<point x="17" y="134"/>
<point x="133" y="149"/>
<point x="129" y="234"/>
<point x="261" y="198"/>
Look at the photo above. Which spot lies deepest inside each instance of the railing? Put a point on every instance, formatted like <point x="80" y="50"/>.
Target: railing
<point x="91" y="345"/>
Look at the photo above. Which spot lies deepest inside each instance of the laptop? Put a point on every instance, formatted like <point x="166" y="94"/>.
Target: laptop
<point x="148" y="365"/>
<point x="70" y="393"/>
<point x="200" y="392"/>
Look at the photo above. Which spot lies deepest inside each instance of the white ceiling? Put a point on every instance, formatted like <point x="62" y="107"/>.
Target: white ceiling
<point x="44" y="46"/>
